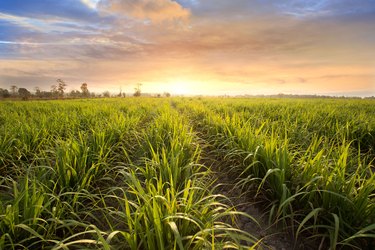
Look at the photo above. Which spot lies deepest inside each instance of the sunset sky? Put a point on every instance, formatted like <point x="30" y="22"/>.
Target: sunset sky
<point x="212" y="47"/>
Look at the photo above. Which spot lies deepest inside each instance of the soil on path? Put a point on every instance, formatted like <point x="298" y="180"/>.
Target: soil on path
<point x="272" y="237"/>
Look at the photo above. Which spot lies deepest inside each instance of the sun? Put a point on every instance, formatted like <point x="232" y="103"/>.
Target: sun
<point x="180" y="87"/>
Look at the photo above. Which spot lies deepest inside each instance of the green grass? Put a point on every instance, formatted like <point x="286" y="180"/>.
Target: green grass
<point x="126" y="173"/>
<point x="107" y="174"/>
<point x="311" y="161"/>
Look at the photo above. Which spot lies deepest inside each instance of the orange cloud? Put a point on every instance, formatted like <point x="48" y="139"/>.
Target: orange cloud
<point x="154" y="10"/>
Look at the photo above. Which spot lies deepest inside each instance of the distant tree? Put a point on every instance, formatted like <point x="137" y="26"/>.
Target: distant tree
<point x="85" y="90"/>
<point x="54" y="92"/>
<point x="167" y="94"/>
<point x="61" y="86"/>
<point x="13" y="90"/>
<point x="74" y="94"/>
<point x="38" y="92"/>
<point x="106" y="94"/>
<point x="47" y="94"/>
<point x="137" y="90"/>
<point x="4" y="93"/>
<point x="24" y="93"/>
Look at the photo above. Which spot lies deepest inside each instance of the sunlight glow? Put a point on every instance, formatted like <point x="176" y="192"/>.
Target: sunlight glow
<point x="181" y="87"/>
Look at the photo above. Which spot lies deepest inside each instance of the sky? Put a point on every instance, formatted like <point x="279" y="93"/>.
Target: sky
<point x="191" y="47"/>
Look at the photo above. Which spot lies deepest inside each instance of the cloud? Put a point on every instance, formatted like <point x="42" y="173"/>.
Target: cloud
<point x="68" y="9"/>
<point x="90" y="3"/>
<point x="154" y="10"/>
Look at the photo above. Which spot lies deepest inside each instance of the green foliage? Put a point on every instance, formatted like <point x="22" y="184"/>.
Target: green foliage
<point x="125" y="174"/>
<point x="311" y="160"/>
<point x="112" y="174"/>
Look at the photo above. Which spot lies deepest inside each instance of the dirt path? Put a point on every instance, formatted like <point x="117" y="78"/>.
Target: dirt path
<point x="273" y="238"/>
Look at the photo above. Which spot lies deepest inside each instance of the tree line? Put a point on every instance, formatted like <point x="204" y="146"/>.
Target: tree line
<point x="58" y="90"/>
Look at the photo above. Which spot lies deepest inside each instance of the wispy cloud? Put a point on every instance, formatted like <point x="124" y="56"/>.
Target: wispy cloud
<point x="46" y="9"/>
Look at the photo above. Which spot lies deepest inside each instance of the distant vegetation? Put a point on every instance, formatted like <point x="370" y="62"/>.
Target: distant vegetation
<point x="124" y="174"/>
<point x="137" y="90"/>
<point x="58" y="91"/>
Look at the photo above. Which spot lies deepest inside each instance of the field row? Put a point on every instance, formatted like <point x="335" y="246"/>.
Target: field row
<point x="126" y="173"/>
<point x="310" y="161"/>
<point x="107" y="175"/>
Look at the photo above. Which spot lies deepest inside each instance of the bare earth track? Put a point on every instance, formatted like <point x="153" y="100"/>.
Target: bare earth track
<point x="271" y="236"/>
